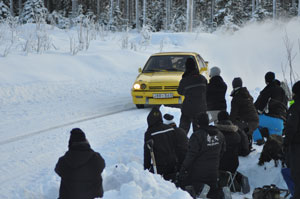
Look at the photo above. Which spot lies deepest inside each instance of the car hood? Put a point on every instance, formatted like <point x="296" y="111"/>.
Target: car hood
<point x="158" y="77"/>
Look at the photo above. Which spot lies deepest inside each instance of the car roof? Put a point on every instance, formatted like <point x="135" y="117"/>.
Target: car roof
<point x="175" y="53"/>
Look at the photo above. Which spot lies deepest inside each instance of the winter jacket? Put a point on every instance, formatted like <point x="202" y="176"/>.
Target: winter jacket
<point x="242" y="107"/>
<point x="181" y="144"/>
<point x="193" y="87"/>
<point x="272" y="100"/>
<point x="230" y="159"/>
<point x="80" y="171"/>
<point x="206" y="146"/>
<point x="164" y="139"/>
<point x="215" y="94"/>
<point x="292" y="129"/>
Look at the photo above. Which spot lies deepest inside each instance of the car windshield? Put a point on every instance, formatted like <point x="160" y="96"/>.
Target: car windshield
<point x="166" y="63"/>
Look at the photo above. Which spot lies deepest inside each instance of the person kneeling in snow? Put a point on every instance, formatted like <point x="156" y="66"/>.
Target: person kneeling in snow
<point x="159" y="147"/>
<point x="201" y="164"/>
<point x="80" y="169"/>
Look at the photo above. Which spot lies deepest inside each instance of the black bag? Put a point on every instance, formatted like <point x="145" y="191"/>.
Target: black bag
<point x="268" y="192"/>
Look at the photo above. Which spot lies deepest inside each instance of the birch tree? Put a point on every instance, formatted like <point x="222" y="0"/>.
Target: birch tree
<point x="144" y="12"/>
<point x="11" y="6"/>
<point x="274" y="9"/>
<point x="168" y="13"/>
<point x="253" y="8"/>
<point x="74" y="8"/>
<point x="137" y="14"/>
<point x="189" y="24"/>
<point x="299" y="8"/>
<point x="20" y="7"/>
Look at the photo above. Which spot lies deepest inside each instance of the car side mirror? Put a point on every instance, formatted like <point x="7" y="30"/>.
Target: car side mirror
<point x="140" y="70"/>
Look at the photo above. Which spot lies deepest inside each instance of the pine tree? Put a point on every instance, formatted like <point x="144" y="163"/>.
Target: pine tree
<point x="4" y="11"/>
<point x="33" y="11"/>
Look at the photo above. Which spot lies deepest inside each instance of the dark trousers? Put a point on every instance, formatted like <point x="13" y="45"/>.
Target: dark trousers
<point x="185" y="123"/>
<point x="295" y="168"/>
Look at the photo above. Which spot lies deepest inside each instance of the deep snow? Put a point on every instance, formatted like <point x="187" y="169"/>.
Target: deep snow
<point x="44" y="96"/>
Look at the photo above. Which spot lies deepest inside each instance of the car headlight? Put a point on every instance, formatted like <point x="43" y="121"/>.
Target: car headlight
<point x="143" y="86"/>
<point x="137" y="86"/>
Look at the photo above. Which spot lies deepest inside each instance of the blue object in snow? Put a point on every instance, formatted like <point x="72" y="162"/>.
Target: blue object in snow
<point x="274" y="125"/>
<point x="286" y="174"/>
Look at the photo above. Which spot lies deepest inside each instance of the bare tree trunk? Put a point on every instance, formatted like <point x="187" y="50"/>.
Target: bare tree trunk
<point x="111" y="11"/>
<point x="74" y="8"/>
<point x="20" y="7"/>
<point x="98" y="9"/>
<point x="11" y="5"/>
<point x="253" y="7"/>
<point x="137" y="14"/>
<point x="144" y="12"/>
<point x="274" y="9"/>
<point x="168" y="14"/>
<point x="212" y="13"/>
<point x="299" y="8"/>
<point x="189" y="24"/>
<point x="257" y="3"/>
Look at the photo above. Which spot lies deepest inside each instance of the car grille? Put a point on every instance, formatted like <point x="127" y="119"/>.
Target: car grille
<point x="163" y="88"/>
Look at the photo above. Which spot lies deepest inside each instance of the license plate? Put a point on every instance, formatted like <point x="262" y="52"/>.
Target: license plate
<point x="162" y="95"/>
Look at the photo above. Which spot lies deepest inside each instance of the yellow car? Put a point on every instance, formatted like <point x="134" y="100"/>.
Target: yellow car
<point x="157" y="83"/>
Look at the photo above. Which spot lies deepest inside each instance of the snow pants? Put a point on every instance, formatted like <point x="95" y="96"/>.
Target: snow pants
<point x="274" y="125"/>
<point x="295" y="168"/>
<point x="286" y="174"/>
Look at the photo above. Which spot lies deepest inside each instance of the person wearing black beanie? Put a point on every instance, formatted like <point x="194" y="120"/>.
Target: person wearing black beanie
<point x="243" y="112"/>
<point x="292" y="139"/>
<point x="80" y="169"/>
<point x="271" y="105"/>
<point x="201" y="164"/>
<point x="193" y="87"/>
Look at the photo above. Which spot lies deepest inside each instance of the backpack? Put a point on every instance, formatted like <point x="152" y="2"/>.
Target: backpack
<point x="269" y="192"/>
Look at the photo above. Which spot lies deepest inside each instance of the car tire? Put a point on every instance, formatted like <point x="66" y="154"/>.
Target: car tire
<point x="139" y="106"/>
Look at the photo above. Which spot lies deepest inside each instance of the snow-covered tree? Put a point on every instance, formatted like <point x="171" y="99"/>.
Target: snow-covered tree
<point x="178" y="22"/>
<point x="155" y="15"/>
<point x="4" y="11"/>
<point x="33" y="10"/>
<point x="189" y="14"/>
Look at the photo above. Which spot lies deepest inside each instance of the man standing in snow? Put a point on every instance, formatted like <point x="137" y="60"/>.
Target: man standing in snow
<point x="271" y="104"/>
<point x="193" y="87"/>
<point x="80" y="169"/>
<point x="292" y="139"/>
<point x="162" y="139"/>
<point x="201" y="163"/>
<point x="243" y="112"/>
<point x="215" y="94"/>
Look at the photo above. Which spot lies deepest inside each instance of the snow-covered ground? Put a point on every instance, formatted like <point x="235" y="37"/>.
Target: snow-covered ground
<point x="43" y="96"/>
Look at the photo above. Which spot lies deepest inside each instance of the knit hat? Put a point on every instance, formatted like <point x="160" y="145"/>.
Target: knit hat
<point x="269" y="77"/>
<point x="215" y="71"/>
<point x="168" y="118"/>
<point x="296" y="88"/>
<point x="190" y="65"/>
<point x="77" y="135"/>
<point x="223" y="115"/>
<point x="237" y="82"/>
<point x="154" y="117"/>
<point x="202" y="119"/>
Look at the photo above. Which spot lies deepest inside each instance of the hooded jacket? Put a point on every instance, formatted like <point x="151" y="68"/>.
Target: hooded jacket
<point x="215" y="94"/>
<point x="242" y="107"/>
<point x="206" y="146"/>
<point x="292" y="129"/>
<point x="80" y="171"/>
<point x="230" y="159"/>
<point x="193" y="87"/>
<point x="272" y="100"/>
<point x="163" y="137"/>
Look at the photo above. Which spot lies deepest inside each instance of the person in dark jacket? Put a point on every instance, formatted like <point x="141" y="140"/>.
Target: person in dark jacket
<point x="193" y="87"/>
<point x="243" y="112"/>
<point x="201" y="163"/>
<point x="230" y="159"/>
<point x="271" y="104"/>
<point x="292" y="139"/>
<point x="181" y="139"/>
<point x="215" y="94"/>
<point x="164" y="144"/>
<point x="80" y="169"/>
